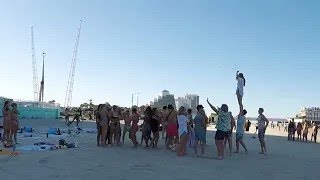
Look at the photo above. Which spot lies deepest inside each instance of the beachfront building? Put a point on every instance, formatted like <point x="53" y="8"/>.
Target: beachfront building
<point x="309" y="114"/>
<point x="188" y="101"/>
<point x="34" y="110"/>
<point x="164" y="99"/>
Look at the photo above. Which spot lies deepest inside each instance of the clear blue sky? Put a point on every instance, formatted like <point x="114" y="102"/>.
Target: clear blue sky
<point x="183" y="46"/>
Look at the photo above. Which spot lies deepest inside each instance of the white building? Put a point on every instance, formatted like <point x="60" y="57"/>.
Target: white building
<point x="189" y="101"/>
<point x="310" y="114"/>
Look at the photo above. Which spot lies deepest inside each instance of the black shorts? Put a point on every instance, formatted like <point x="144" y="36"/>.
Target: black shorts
<point x="221" y="135"/>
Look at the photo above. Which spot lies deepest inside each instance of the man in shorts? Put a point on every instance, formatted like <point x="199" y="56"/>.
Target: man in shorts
<point x="263" y="123"/>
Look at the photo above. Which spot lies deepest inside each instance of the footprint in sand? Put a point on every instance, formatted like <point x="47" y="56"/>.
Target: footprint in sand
<point x="43" y="161"/>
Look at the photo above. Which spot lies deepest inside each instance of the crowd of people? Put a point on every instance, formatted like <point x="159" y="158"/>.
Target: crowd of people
<point x="179" y="128"/>
<point x="302" y="130"/>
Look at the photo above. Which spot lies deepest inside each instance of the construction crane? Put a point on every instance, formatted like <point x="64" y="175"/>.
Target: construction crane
<point x="68" y="98"/>
<point x="34" y="68"/>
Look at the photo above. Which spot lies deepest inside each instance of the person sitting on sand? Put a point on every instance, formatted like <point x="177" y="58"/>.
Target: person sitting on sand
<point x="127" y="124"/>
<point x="305" y="132"/>
<point x="6" y="111"/>
<point x="263" y="123"/>
<point x="182" y="131"/>
<point x="240" y="130"/>
<point x="200" y="130"/>
<point x="154" y="125"/>
<point x="241" y="83"/>
<point x="134" y="128"/>
<point x="299" y="131"/>
<point x="172" y="128"/>
<point x="223" y="127"/>
<point x="14" y="125"/>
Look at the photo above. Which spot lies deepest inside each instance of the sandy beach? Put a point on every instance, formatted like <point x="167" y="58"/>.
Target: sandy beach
<point x="286" y="159"/>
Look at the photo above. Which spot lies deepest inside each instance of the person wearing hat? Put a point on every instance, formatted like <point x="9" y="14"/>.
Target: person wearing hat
<point x="200" y="128"/>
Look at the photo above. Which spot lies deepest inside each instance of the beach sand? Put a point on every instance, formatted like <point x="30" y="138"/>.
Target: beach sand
<point x="286" y="159"/>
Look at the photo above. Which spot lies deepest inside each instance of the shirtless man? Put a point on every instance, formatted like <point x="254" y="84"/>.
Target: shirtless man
<point x="164" y="115"/>
<point x="172" y="129"/>
<point x="127" y="124"/>
<point x="134" y="118"/>
<point x="263" y="123"/>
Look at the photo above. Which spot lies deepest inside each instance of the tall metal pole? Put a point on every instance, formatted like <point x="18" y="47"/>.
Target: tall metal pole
<point x="138" y="100"/>
<point x="42" y="80"/>
<point x="132" y="100"/>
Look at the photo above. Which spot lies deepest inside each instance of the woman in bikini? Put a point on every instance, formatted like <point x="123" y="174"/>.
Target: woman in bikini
<point x="98" y="119"/>
<point x="154" y="124"/>
<point x="182" y="131"/>
<point x="241" y="83"/>
<point x="104" y="121"/>
<point x="127" y="124"/>
<point x="14" y="125"/>
<point x="114" y="126"/>
<point x="146" y="129"/>
<point x="299" y="130"/>
<point x="6" y="111"/>
<point x="134" y="128"/>
<point x="305" y="132"/>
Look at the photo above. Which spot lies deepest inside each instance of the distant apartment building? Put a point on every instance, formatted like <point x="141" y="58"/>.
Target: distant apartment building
<point x="310" y="114"/>
<point x="189" y="101"/>
<point x="163" y="100"/>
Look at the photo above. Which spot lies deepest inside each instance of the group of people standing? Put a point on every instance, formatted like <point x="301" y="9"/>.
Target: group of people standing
<point x="10" y="124"/>
<point x="302" y="130"/>
<point x="179" y="128"/>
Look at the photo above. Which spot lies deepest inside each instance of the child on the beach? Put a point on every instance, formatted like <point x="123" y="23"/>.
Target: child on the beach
<point x="241" y="83"/>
